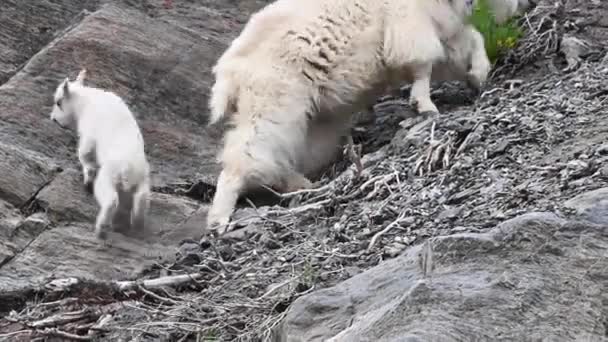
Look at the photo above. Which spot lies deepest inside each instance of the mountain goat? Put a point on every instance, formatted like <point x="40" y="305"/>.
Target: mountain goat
<point x="292" y="79"/>
<point x="110" y="145"/>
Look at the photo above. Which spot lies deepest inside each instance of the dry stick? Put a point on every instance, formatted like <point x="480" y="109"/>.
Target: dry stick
<point x="61" y="319"/>
<point x="287" y="195"/>
<point x="377" y="183"/>
<point x="302" y="209"/>
<point x="155" y="296"/>
<point x="220" y="259"/>
<point x="372" y="242"/>
<point x="362" y="187"/>
<point x="60" y="333"/>
<point x="274" y="288"/>
<point x="157" y="282"/>
<point x="105" y="319"/>
<point x="61" y="302"/>
<point x="19" y="332"/>
<point x="446" y="154"/>
<point x="467" y="140"/>
<point x="305" y="191"/>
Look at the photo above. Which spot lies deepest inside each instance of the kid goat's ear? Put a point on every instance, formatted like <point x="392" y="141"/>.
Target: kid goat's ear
<point x="81" y="76"/>
<point x="66" y="90"/>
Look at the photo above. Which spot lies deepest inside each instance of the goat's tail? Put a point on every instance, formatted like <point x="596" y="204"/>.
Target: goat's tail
<point x="223" y="98"/>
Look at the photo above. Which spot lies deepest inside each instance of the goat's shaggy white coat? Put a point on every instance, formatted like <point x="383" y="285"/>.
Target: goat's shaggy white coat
<point x="110" y="145"/>
<point x="291" y="81"/>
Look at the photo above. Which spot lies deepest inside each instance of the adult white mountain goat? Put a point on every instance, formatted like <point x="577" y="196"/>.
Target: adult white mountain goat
<point x="299" y="69"/>
<point x="110" y="145"/>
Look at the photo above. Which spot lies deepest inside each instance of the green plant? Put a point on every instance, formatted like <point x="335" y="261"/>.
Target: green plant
<point x="497" y="38"/>
<point x="309" y="274"/>
<point x="210" y="336"/>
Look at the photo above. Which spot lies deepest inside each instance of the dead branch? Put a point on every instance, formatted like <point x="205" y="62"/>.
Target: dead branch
<point x="158" y="282"/>
<point x="61" y="319"/>
<point x="391" y="225"/>
<point x="98" y="326"/>
<point x="155" y="296"/>
<point x="60" y="333"/>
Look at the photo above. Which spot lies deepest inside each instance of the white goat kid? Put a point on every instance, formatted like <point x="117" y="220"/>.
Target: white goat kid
<point x="312" y="62"/>
<point x="110" y="145"/>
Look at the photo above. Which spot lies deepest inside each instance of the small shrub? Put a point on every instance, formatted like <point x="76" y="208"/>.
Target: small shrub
<point x="497" y="38"/>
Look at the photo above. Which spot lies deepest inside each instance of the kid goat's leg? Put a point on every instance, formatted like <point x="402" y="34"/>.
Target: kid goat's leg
<point x="107" y="198"/>
<point x="86" y="156"/>
<point x="140" y="206"/>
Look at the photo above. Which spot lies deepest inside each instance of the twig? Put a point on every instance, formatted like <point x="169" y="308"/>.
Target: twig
<point x="220" y="259"/>
<point x="376" y="236"/>
<point x="301" y="209"/>
<point x="158" y="282"/>
<point x="363" y="186"/>
<point x="472" y="135"/>
<point x="61" y="302"/>
<point x="19" y="332"/>
<point x="61" y="319"/>
<point x="382" y="181"/>
<point x="274" y="288"/>
<point x="155" y="296"/>
<point x="306" y="191"/>
<point x="194" y="325"/>
<point x="60" y="333"/>
<point x="97" y="327"/>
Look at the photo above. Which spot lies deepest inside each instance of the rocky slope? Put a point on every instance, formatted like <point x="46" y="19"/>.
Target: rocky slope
<point x="493" y="215"/>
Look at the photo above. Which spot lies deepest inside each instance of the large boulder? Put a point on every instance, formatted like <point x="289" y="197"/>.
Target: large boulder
<point x="161" y="70"/>
<point x="534" y="277"/>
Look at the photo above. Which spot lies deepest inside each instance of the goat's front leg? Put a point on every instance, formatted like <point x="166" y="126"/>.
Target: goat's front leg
<point x="420" y="95"/>
<point x="480" y="65"/>
<point x="87" y="158"/>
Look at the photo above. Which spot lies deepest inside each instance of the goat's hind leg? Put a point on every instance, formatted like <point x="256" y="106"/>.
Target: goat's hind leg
<point x="230" y="185"/>
<point x="86" y="156"/>
<point x="107" y="198"/>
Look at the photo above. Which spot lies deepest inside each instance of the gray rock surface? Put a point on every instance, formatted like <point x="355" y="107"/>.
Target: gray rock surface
<point x="535" y="277"/>
<point x="161" y="69"/>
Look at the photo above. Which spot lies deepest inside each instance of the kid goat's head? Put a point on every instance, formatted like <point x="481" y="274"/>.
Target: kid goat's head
<point x="63" y="112"/>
